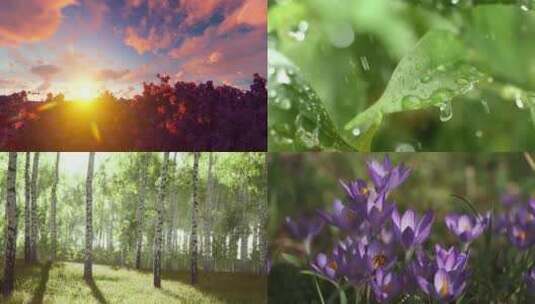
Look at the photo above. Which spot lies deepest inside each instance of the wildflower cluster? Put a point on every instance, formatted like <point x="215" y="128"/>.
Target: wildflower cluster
<point x="381" y="250"/>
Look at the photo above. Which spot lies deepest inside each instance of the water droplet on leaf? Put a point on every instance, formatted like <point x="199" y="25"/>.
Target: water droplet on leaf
<point x="364" y="62"/>
<point x="446" y="111"/>
<point x="405" y="147"/>
<point x="282" y="77"/>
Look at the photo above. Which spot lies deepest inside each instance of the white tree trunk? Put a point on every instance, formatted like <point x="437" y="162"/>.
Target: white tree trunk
<point x="159" y="223"/>
<point x="53" y="224"/>
<point x="142" y="180"/>
<point x="33" y="218"/>
<point x="88" y="262"/>
<point x="11" y="235"/>
<point x="27" y="210"/>
<point x="194" y="212"/>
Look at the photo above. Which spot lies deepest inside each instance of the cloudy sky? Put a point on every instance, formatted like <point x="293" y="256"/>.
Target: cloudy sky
<point x="61" y="45"/>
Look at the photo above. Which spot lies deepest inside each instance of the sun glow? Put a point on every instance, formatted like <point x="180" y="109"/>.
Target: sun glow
<point x="84" y="90"/>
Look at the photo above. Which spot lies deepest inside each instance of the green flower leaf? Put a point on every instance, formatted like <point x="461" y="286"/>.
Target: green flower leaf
<point x="432" y="74"/>
<point x="298" y="119"/>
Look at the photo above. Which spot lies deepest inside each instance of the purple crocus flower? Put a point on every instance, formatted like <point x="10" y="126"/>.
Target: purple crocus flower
<point x="529" y="278"/>
<point x="450" y="260"/>
<point x="377" y="255"/>
<point x="521" y="235"/>
<point x="342" y="216"/>
<point x="377" y="209"/>
<point x="326" y="266"/>
<point x="509" y="199"/>
<point x="410" y="229"/>
<point x="449" y="278"/>
<point x="385" y="176"/>
<point x="304" y="227"/>
<point x="467" y="227"/>
<point x="386" y="285"/>
<point x="357" y="191"/>
<point x="520" y="226"/>
<point x="420" y="266"/>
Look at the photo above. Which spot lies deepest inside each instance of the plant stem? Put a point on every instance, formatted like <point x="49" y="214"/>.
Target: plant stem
<point x="356" y="295"/>
<point x="319" y="290"/>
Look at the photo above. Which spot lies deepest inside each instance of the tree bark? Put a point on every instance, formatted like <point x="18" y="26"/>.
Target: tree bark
<point x="11" y="236"/>
<point x="157" y="267"/>
<point x="34" y="220"/>
<point x="208" y="215"/>
<point x="194" y="212"/>
<point x="53" y="224"/>
<point x="142" y="184"/>
<point x="27" y="210"/>
<point x="88" y="262"/>
<point x="263" y="218"/>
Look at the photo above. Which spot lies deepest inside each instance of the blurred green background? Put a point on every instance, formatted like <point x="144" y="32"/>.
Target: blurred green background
<point x="347" y="51"/>
<point x="300" y="183"/>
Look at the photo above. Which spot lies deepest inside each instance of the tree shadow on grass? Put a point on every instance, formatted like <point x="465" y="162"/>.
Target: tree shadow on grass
<point x="41" y="288"/>
<point x="174" y="295"/>
<point x="97" y="294"/>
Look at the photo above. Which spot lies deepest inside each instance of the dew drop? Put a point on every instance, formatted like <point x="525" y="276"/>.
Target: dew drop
<point x="364" y="62"/>
<point x="300" y="32"/>
<point x="485" y="106"/>
<point x="405" y="147"/>
<point x="282" y="77"/>
<point x="518" y="101"/>
<point x="341" y="35"/>
<point x="446" y="111"/>
<point x="479" y="133"/>
<point x="356" y="132"/>
<point x="425" y="79"/>
<point x="410" y="102"/>
<point x="285" y="104"/>
<point x="454" y="2"/>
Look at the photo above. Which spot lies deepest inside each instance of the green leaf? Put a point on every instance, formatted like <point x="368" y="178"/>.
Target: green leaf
<point x="292" y="259"/>
<point x="298" y="119"/>
<point x="343" y="297"/>
<point x="432" y="74"/>
<point x="319" y="276"/>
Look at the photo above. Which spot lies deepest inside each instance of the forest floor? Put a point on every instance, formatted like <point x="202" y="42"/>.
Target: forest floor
<point x="63" y="283"/>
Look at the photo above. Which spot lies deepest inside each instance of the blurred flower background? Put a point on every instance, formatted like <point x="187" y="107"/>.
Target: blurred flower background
<point x="456" y="226"/>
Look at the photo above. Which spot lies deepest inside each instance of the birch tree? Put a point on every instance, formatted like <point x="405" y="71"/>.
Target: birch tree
<point x="142" y="185"/>
<point x="159" y="223"/>
<point x="33" y="216"/>
<point x="53" y="202"/>
<point x="194" y="212"/>
<point x="88" y="261"/>
<point x="27" y="210"/>
<point x="11" y="235"/>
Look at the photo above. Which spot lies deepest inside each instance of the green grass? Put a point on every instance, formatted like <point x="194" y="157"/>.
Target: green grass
<point x="63" y="283"/>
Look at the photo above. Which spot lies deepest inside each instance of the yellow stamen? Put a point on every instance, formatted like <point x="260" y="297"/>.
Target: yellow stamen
<point x="444" y="289"/>
<point x="378" y="261"/>
<point x="333" y="265"/>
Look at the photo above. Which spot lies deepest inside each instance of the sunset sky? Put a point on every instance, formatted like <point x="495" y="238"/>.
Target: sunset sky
<point x="63" y="45"/>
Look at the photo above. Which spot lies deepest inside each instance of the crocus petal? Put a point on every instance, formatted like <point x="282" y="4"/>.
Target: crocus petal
<point x="424" y="227"/>
<point x="407" y="237"/>
<point x="442" y="283"/>
<point x="396" y="218"/>
<point x="321" y="260"/>
<point x="408" y="220"/>
<point x="424" y="285"/>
